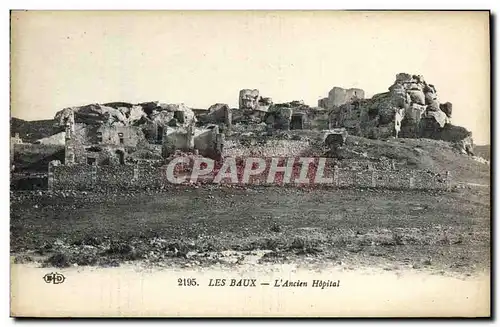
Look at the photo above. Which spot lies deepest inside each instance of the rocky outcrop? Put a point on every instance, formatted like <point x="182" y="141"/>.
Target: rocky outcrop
<point x="93" y="114"/>
<point x="123" y="114"/>
<point x="397" y="113"/>
<point x="459" y="136"/>
<point x="446" y="108"/>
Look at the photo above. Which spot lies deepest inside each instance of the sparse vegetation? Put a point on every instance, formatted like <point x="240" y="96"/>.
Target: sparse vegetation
<point x="348" y="225"/>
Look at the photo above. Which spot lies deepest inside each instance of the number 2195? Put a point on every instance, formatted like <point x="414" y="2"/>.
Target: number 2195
<point x="187" y="282"/>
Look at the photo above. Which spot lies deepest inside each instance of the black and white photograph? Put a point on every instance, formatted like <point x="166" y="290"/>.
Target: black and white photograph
<point x="250" y="163"/>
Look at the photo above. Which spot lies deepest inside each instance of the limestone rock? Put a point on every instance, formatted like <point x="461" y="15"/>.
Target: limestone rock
<point x="135" y="114"/>
<point x="403" y="77"/>
<point x="410" y="98"/>
<point x="446" y="108"/>
<point x="417" y="97"/>
<point x="398" y="118"/>
<point x="173" y="115"/>
<point x="433" y="106"/>
<point x="63" y="116"/>
<point x="430" y="97"/>
<point x="415" y="112"/>
<point x="55" y="139"/>
<point x="439" y="116"/>
<point x="97" y="114"/>
<point x="92" y="114"/>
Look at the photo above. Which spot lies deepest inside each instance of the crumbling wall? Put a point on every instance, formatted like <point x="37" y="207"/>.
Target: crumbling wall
<point x="206" y="142"/>
<point x="202" y="139"/>
<point x="74" y="177"/>
<point x="129" y="136"/>
<point x="284" y="116"/>
<point x="339" y="96"/>
<point x="86" y="177"/>
<point x="218" y="113"/>
<point x="266" y="148"/>
<point x="106" y="145"/>
<point x="318" y="119"/>
<point x="251" y="100"/>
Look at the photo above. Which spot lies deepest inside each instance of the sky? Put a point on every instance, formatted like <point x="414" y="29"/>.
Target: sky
<point x="61" y="59"/>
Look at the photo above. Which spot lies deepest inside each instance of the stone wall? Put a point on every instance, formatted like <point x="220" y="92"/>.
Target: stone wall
<point x="218" y="113"/>
<point x="108" y="135"/>
<point x="104" y="144"/>
<point x="87" y="177"/>
<point x="251" y="100"/>
<point x="266" y="148"/>
<point x="204" y="140"/>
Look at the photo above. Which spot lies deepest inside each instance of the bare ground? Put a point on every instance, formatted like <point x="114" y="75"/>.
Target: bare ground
<point x="209" y="225"/>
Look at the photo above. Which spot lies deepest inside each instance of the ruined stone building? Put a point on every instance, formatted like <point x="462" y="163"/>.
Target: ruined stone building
<point x="339" y="96"/>
<point x="99" y="135"/>
<point x="120" y="133"/>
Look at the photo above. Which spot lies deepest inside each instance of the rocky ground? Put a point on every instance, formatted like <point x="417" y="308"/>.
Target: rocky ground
<point x="225" y="226"/>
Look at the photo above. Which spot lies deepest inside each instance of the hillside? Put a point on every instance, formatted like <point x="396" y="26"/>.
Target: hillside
<point x="483" y="151"/>
<point x="36" y="157"/>
<point x="31" y="131"/>
<point x="426" y="154"/>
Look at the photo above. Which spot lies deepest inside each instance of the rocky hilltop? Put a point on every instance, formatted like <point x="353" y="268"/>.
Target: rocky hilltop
<point x="411" y="109"/>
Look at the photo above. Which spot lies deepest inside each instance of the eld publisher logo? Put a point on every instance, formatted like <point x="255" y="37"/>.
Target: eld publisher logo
<point x="54" y="278"/>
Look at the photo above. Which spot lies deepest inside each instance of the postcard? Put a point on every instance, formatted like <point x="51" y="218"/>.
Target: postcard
<point x="250" y="164"/>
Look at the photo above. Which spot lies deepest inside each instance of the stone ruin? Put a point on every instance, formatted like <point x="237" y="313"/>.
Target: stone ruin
<point x="251" y="100"/>
<point x="293" y="115"/>
<point x="410" y="109"/>
<point x="339" y="96"/>
<point x="252" y="106"/>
